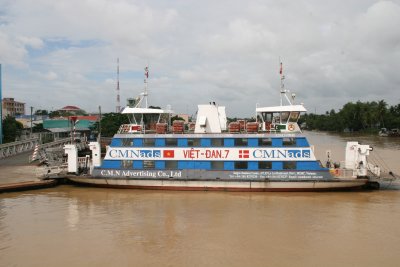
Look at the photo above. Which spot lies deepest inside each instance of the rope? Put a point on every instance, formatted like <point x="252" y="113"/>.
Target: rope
<point x="384" y="163"/>
<point x="377" y="160"/>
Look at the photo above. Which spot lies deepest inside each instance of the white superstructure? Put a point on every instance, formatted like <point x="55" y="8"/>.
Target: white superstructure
<point x="210" y="119"/>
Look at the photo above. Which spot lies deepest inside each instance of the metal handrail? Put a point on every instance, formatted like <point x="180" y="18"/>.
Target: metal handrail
<point x="18" y="143"/>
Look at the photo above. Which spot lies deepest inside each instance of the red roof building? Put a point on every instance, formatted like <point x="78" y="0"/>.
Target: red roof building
<point x="89" y="118"/>
<point x="70" y="108"/>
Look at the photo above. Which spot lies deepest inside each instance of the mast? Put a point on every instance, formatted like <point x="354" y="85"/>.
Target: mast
<point x="143" y="96"/>
<point x="118" y="107"/>
<point x="146" y="77"/>
<point x="283" y="90"/>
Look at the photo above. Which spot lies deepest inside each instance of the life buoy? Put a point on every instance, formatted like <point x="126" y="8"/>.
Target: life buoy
<point x="126" y="128"/>
<point x="291" y="127"/>
<point x="334" y="172"/>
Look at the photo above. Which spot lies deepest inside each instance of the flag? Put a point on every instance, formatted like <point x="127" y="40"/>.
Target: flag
<point x="280" y="70"/>
<point x="146" y="72"/>
<point x="168" y="154"/>
<point x="243" y="154"/>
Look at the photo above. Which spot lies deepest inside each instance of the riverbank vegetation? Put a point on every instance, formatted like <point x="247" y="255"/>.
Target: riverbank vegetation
<point x="359" y="116"/>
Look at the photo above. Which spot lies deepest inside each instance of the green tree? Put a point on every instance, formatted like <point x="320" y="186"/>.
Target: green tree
<point x="359" y="116"/>
<point x="392" y="118"/>
<point x="54" y="113"/>
<point x="381" y="112"/>
<point x="110" y="123"/>
<point x="41" y="112"/>
<point x="176" y="117"/>
<point x="11" y="129"/>
<point x="37" y="128"/>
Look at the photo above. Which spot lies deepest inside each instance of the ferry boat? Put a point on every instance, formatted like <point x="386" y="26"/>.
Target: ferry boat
<point x="268" y="154"/>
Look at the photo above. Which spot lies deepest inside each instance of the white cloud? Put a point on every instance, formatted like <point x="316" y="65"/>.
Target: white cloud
<point x="378" y="25"/>
<point x="51" y="76"/>
<point x="32" y="42"/>
<point x="223" y="51"/>
<point x="242" y="37"/>
<point x="11" y="51"/>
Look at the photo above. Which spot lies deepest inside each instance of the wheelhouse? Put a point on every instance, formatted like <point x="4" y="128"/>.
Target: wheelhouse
<point x="280" y="118"/>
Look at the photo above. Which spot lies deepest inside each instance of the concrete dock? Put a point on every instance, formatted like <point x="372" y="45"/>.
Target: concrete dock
<point x="17" y="174"/>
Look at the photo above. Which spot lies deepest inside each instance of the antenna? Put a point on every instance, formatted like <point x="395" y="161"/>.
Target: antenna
<point x="283" y="90"/>
<point x="118" y="107"/>
<point x="146" y="77"/>
<point x="143" y="96"/>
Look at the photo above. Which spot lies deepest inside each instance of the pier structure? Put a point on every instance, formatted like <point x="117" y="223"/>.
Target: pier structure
<point x="18" y="175"/>
<point x="15" y="148"/>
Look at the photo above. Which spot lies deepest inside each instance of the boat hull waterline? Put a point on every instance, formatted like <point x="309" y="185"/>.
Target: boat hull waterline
<point x="221" y="185"/>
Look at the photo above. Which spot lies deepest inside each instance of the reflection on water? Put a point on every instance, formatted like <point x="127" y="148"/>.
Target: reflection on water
<point x="83" y="226"/>
<point x="73" y="213"/>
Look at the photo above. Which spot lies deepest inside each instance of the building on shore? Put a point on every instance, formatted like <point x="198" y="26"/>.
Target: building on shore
<point x="26" y="120"/>
<point x="10" y="107"/>
<point x="71" y="111"/>
<point x="64" y="126"/>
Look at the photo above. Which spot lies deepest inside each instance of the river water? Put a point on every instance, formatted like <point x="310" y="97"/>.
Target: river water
<point x="82" y="226"/>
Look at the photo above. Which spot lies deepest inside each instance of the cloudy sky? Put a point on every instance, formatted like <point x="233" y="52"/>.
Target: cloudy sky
<point x="57" y="53"/>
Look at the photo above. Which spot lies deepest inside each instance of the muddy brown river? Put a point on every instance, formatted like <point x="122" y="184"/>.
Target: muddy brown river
<point x="82" y="226"/>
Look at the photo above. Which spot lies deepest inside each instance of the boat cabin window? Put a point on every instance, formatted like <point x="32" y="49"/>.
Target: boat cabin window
<point x="149" y="142"/>
<point x="171" y="142"/>
<point x="148" y="164"/>
<point x="171" y="164"/>
<point x="240" y="141"/>
<point x="241" y="165"/>
<point x="264" y="141"/>
<point x="193" y="142"/>
<point x="136" y="118"/>
<point x="289" y="141"/>
<point x="267" y="116"/>
<point x="294" y="116"/>
<point x="127" y="164"/>
<point x="147" y="120"/>
<point x="127" y="142"/>
<point x="217" y="142"/>
<point x="264" y="165"/>
<point x="289" y="165"/>
<point x="217" y="165"/>
<point x="284" y="117"/>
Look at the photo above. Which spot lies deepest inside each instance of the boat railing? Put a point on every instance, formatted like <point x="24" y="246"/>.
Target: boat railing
<point x="179" y="127"/>
<point x="130" y="128"/>
<point x="83" y="161"/>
